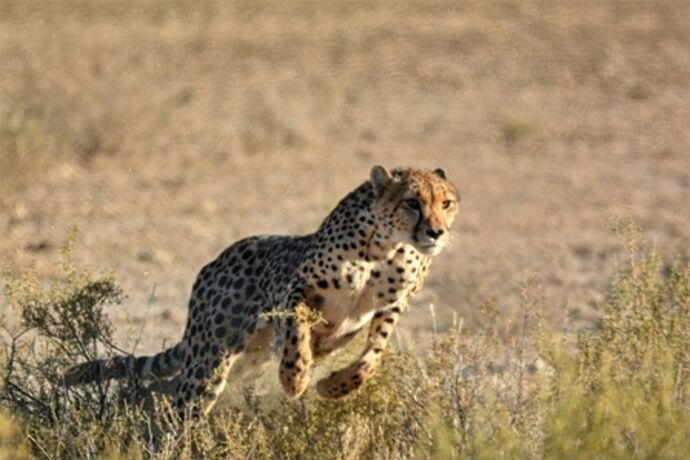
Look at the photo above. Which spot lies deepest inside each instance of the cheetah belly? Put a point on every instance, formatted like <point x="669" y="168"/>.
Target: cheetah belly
<point x="344" y="314"/>
<point x="351" y="325"/>
<point x="257" y="355"/>
<point x="324" y="342"/>
<point x="341" y="326"/>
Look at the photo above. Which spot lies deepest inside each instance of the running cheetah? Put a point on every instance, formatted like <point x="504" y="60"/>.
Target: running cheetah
<point x="361" y="266"/>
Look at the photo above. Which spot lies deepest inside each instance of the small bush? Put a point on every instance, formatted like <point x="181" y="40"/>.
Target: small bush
<point x="620" y="392"/>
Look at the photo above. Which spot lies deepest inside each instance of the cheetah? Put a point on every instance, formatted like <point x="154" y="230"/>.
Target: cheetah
<point x="258" y="297"/>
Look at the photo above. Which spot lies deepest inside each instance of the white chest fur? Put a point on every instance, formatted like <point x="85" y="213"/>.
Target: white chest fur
<point x="363" y="288"/>
<point x="347" y="309"/>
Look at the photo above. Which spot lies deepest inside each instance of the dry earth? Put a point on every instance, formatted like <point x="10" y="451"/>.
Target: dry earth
<point x="167" y="130"/>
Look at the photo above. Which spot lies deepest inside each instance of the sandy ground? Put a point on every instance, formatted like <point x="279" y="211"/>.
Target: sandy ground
<point x="166" y="131"/>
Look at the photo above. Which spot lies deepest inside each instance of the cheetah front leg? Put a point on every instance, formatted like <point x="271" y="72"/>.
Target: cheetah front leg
<point x="296" y="353"/>
<point x="343" y="381"/>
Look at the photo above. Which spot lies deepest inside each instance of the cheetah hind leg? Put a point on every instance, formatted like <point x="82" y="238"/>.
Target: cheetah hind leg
<point x="198" y="389"/>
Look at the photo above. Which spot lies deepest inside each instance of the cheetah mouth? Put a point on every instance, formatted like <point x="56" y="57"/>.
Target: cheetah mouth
<point x="429" y="248"/>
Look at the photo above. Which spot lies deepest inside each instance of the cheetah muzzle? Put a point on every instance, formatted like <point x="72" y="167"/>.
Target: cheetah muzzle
<point x="361" y="266"/>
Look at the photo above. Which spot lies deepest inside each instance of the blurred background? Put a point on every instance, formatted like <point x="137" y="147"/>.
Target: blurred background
<point x="165" y="130"/>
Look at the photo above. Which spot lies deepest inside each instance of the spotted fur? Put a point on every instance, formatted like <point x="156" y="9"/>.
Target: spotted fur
<point x="361" y="266"/>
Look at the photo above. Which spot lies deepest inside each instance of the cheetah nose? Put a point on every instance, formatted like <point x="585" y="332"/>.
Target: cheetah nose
<point x="434" y="233"/>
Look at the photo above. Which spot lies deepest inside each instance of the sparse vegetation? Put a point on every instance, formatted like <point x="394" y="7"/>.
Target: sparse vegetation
<point x="619" y="390"/>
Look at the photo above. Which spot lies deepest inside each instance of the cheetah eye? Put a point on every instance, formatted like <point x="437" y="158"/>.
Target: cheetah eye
<point x="447" y="204"/>
<point x="412" y="204"/>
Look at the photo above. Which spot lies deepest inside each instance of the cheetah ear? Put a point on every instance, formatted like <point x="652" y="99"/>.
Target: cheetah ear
<point x="440" y="172"/>
<point x="380" y="178"/>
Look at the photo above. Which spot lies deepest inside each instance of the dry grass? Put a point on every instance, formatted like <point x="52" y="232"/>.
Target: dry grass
<point x="620" y="392"/>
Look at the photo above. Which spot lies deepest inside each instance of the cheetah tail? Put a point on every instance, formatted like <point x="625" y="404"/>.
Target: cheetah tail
<point x="162" y="365"/>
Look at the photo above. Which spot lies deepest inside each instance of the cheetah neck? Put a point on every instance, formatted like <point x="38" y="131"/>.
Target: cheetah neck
<point x="351" y="228"/>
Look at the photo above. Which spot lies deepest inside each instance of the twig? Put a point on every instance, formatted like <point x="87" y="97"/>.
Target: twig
<point x="39" y="446"/>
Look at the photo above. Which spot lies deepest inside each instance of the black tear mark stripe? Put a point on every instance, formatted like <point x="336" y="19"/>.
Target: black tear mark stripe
<point x="416" y="227"/>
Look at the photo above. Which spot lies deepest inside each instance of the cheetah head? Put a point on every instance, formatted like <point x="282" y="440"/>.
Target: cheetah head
<point x="414" y="206"/>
